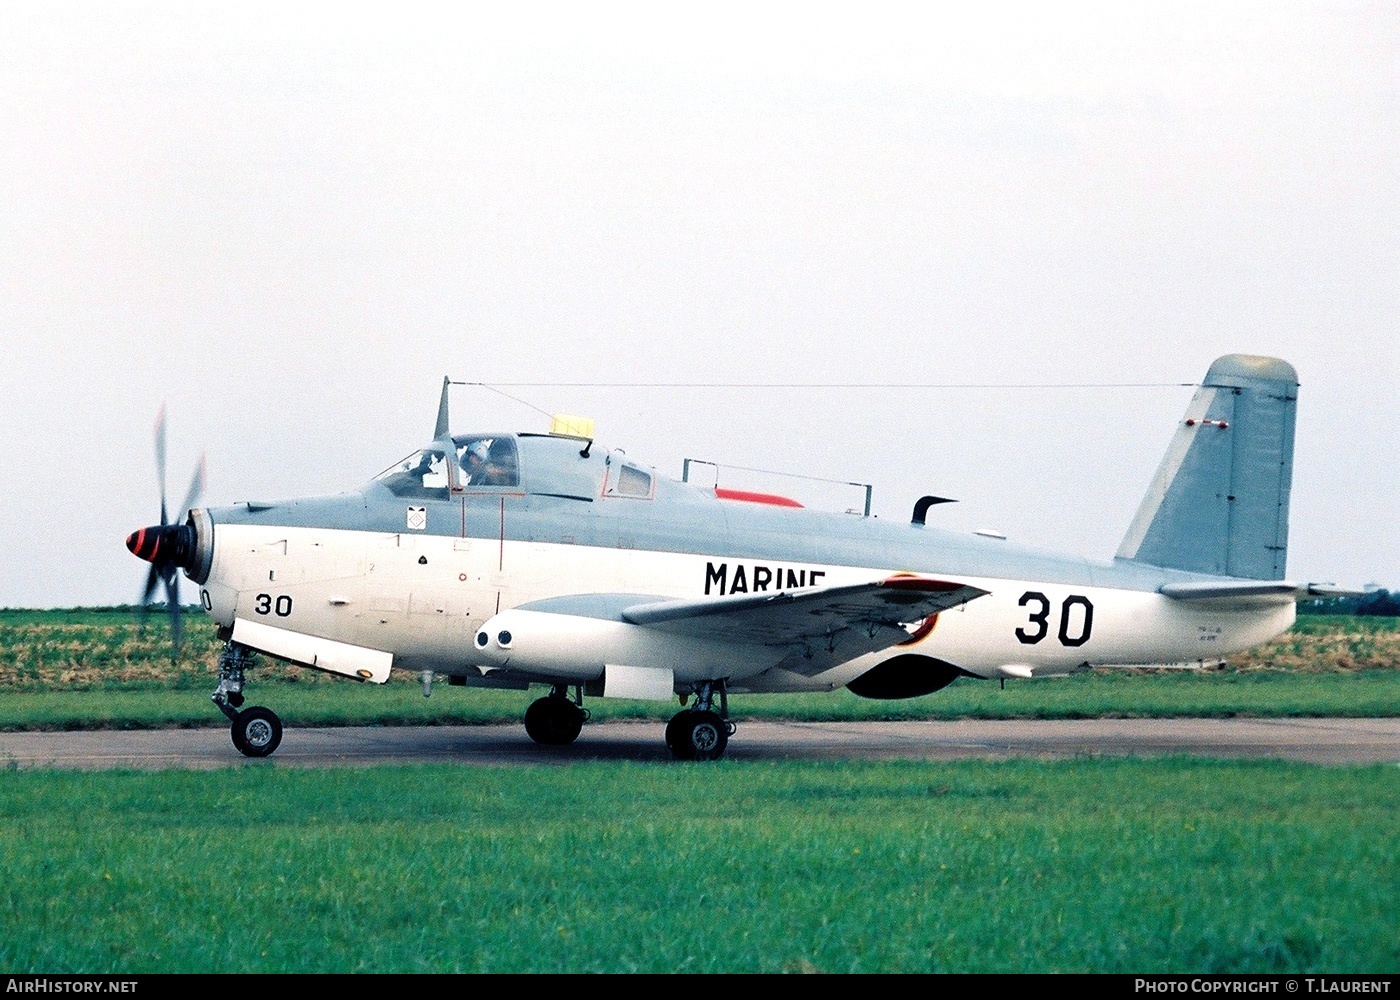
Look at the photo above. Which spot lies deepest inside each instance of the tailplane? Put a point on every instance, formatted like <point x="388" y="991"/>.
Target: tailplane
<point x="1219" y="502"/>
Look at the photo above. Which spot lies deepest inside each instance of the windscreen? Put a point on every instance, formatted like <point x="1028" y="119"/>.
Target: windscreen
<point x="422" y="474"/>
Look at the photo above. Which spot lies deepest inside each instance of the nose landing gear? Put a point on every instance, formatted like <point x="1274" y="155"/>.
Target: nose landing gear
<point x="256" y="731"/>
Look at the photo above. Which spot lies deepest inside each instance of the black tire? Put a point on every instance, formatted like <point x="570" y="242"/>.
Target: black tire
<point x="553" y="722"/>
<point x="675" y="732"/>
<point x="698" y="736"/>
<point x="256" y="731"/>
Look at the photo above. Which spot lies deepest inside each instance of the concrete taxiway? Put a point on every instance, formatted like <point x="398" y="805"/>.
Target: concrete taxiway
<point x="1320" y="741"/>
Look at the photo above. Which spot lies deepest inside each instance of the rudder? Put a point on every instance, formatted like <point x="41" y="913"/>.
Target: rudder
<point x="1219" y="501"/>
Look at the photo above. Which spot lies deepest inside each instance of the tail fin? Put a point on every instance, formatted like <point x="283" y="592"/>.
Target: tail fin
<point x="1219" y="502"/>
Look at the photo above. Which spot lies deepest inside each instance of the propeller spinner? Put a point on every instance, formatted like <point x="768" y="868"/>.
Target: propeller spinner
<point x="168" y="547"/>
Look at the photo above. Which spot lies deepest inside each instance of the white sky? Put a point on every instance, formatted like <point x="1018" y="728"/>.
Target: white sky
<point x="291" y="223"/>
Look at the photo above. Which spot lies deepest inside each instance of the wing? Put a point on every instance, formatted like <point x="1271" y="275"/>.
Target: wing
<point x="822" y="625"/>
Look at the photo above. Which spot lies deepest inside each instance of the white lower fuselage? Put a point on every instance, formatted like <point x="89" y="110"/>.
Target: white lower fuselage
<point x="423" y="598"/>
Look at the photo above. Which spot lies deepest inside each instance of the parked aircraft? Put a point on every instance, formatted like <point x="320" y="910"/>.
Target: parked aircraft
<point x="505" y="560"/>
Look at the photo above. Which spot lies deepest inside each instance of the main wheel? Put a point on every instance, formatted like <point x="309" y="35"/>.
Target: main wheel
<point x="695" y="735"/>
<point x="553" y="721"/>
<point x="256" y="731"/>
<point x="675" y="730"/>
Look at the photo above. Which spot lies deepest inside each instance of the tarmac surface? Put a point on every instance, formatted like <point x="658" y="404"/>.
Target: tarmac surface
<point x="1320" y="741"/>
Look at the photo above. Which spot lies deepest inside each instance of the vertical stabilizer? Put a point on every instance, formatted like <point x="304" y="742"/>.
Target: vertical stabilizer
<point x="1219" y="502"/>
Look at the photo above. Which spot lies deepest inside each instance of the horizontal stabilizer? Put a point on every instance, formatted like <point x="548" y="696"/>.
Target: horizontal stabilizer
<point x="1279" y="591"/>
<point x="1332" y="590"/>
<point x="1251" y="592"/>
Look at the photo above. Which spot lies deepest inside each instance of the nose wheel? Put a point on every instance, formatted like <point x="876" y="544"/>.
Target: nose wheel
<point x="256" y="731"/>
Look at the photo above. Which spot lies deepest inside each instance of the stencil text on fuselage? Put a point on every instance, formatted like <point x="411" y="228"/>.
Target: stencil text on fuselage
<point x="742" y="578"/>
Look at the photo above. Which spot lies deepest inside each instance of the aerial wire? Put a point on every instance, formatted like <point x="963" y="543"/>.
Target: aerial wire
<point x="499" y="392"/>
<point x="495" y="386"/>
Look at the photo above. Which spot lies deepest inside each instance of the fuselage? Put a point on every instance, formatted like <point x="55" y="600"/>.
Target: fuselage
<point x="416" y="572"/>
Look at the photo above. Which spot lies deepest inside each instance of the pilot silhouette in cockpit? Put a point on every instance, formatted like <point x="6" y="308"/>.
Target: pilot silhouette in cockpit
<point x="481" y="466"/>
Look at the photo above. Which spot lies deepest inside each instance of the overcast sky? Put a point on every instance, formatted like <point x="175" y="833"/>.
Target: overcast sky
<point x="290" y="221"/>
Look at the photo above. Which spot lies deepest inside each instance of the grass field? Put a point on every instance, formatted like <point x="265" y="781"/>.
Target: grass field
<point x="1114" y="866"/>
<point x="1165" y="865"/>
<point x="1363" y="694"/>
<point x="93" y="669"/>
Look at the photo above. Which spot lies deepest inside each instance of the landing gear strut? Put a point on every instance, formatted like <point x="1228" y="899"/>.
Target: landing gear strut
<point x="256" y="731"/>
<point x="700" y="733"/>
<point x="556" y="720"/>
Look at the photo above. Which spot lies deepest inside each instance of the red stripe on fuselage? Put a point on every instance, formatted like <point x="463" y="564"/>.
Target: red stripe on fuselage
<point x="750" y="497"/>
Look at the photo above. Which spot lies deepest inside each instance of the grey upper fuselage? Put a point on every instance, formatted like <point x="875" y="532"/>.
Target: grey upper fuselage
<point x="561" y="498"/>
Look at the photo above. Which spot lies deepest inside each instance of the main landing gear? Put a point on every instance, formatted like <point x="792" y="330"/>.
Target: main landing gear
<point x="256" y="731"/>
<point x="696" y="733"/>
<point x="700" y="733"/>
<point x="556" y="720"/>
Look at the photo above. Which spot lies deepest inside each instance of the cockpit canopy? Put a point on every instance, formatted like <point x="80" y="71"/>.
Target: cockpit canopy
<point x="543" y="464"/>
<point x="473" y="461"/>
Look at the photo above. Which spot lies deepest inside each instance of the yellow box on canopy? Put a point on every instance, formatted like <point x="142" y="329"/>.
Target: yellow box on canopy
<point x="567" y="426"/>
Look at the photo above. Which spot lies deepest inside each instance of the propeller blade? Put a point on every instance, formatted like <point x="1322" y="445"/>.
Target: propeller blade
<point x="167" y="547"/>
<point x="147" y="592"/>
<point x="160" y="460"/>
<point x="172" y="601"/>
<point x="152" y="579"/>
<point x="196" y="488"/>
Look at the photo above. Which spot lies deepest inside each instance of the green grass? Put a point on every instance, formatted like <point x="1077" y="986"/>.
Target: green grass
<point x="88" y="668"/>
<point x="1098" y="866"/>
<point x="1366" y="694"/>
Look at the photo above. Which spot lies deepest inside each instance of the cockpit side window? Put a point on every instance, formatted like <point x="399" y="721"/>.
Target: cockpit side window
<point x="422" y="474"/>
<point x="628" y="480"/>
<point x="633" y="482"/>
<point x="485" y="461"/>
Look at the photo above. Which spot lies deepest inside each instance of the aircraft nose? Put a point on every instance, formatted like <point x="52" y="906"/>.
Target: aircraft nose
<point x="166" y="545"/>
